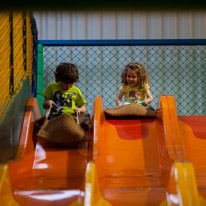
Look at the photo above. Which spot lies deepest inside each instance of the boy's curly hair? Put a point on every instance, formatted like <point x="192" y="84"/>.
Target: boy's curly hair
<point x="67" y="73"/>
<point x="141" y="74"/>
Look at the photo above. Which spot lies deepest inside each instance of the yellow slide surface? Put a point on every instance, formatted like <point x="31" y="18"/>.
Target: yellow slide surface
<point x="143" y="161"/>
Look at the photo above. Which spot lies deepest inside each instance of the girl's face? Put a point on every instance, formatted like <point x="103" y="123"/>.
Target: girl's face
<point x="131" y="77"/>
<point x="65" y="86"/>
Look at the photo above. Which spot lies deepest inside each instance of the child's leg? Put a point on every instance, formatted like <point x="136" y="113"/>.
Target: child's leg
<point x="126" y="103"/>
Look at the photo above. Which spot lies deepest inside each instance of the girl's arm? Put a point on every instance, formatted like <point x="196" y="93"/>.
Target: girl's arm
<point x="80" y="110"/>
<point x="118" y="98"/>
<point x="48" y="103"/>
<point x="148" y="99"/>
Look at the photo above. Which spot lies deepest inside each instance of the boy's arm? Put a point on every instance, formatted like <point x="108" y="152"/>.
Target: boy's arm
<point x="118" y="98"/>
<point x="80" y="110"/>
<point x="48" y="98"/>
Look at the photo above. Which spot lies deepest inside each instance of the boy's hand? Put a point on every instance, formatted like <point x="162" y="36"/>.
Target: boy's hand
<point x="49" y="103"/>
<point x="80" y="110"/>
<point x="77" y="110"/>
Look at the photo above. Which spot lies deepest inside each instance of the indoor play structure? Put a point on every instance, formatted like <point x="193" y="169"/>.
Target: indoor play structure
<point x="128" y="161"/>
<point x="139" y="161"/>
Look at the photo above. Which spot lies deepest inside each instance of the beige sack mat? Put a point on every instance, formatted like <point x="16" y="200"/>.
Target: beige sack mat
<point x="130" y="110"/>
<point x="63" y="130"/>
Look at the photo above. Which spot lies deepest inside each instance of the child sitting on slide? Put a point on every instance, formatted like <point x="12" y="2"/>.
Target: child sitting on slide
<point x="135" y="85"/>
<point x="62" y="96"/>
<point x="65" y="102"/>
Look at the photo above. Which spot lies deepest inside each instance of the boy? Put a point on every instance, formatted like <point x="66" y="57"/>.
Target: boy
<point x="62" y="96"/>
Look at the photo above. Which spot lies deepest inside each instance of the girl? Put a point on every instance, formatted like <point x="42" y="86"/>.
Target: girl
<point x="135" y="85"/>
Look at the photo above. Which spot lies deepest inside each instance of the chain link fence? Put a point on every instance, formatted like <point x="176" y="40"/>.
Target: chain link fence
<point x="178" y="70"/>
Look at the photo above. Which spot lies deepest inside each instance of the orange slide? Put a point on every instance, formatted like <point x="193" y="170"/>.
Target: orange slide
<point x="143" y="161"/>
<point x="151" y="161"/>
<point x="42" y="174"/>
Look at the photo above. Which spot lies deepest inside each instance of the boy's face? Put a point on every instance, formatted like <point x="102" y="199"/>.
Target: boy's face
<point x="66" y="86"/>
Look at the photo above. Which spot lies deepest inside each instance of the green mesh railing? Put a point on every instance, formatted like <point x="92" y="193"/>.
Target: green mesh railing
<point x="175" y="68"/>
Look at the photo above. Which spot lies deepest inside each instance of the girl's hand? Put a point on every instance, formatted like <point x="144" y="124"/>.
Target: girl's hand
<point x="145" y="102"/>
<point x="119" y="105"/>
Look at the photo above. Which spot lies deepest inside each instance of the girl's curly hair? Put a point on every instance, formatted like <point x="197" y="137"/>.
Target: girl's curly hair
<point x="67" y="73"/>
<point x="141" y="74"/>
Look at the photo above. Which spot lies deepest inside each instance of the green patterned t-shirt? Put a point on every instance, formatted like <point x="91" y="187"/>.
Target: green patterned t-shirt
<point x="67" y="100"/>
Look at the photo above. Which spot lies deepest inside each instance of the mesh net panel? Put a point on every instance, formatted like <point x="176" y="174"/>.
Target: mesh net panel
<point x="29" y="45"/>
<point x="11" y="82"/>
<point x="173" y="70"/>
<point x="4" y="62"/>
<point x="18" y="50"/>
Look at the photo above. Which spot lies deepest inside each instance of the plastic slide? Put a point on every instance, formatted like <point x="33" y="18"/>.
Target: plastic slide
<point x="43" y="173"/>
<point x="146" y="161"/>
<point x="143" y="161"/>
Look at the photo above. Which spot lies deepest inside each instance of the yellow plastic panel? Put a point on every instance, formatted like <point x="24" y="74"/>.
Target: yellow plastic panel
<point x="183" y="178"/>
<point x="6" y="194"/>
<point x="93" y="196"/>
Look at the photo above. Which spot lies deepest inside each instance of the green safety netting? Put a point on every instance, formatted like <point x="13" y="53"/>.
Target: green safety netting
<point x="173" y="70"/>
